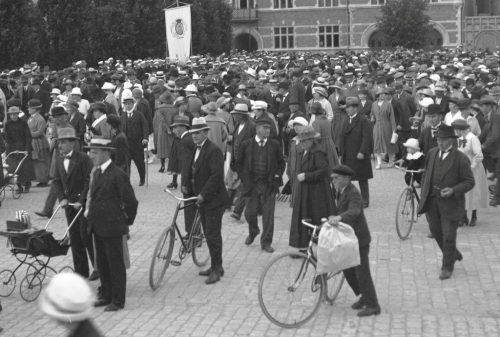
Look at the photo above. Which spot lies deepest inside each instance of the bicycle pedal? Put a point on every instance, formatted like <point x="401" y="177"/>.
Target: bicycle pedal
<point x="175" y="263"/>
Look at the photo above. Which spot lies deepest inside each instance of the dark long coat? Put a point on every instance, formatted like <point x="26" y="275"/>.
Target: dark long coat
<point x="358" y="138"/>
<point x="313" y="199"/>
<point x="136" y="130"/>
<point x="18" y="138"/>
<point x="120" y="154"/>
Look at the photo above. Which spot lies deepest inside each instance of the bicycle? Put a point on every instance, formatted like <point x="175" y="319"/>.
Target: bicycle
<point x="406" y="214"/>
<point x="290" y="290"/>
<point x="195" y="243"/>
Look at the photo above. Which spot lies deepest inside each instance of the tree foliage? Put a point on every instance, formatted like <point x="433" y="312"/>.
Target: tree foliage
<point x="405" y="23"/>
<point x="57" y="33"/>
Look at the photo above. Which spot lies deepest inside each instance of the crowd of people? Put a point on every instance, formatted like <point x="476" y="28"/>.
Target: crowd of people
<point x="314" y="121"/>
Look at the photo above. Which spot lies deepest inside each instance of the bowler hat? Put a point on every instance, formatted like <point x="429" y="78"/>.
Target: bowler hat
<point x="199" y="124"/>
<point x="66" y="133"/>
<point x="34" y="103"/>
<point x="434" y="109"/>
<point x="343" y="170"/>
<point x="460" y="124"/>
<point x="180" y="121"/>
<point x="58" y="111"/>
<point x="445" y="131"/>
<point x="100" y="106"/>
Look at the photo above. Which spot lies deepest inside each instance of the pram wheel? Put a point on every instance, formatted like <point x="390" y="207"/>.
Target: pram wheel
<point x="7" y="282"/>
<point x="66" y="269"/>
<point x="30" y="287"/>
<point x="43" y="270"/>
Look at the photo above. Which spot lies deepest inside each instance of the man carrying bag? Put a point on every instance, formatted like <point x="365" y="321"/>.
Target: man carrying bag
<point x="349" y="210"/>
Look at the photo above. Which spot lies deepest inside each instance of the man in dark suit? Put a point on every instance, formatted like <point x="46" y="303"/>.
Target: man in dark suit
<point x="244" y="129"/>
<point x="206" y="179"/>
<point x="75" y="118"/>
<point x="135" y="127"/>
<point x="71" y="180"/>
<point x="24" y="92"/>
<point x="349" y="210"/>
<point x="491" y="142"/>
<point x="297" y="90"/>
<point x="183" y="154"/>
<point x="357" y="145"/>
<point x="447" y="178"/>
<point x="112" y="209"/>
<point x="43" y="96"/>
<point x="260" y="161"/>
<point x="428" y="139"/>
<point x="441" y="99"/>
<point x="120" y="154"/>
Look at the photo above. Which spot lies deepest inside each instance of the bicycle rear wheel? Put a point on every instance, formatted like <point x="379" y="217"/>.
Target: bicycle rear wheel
<point x="161" y="257"/>
<point x="405" y="213"/>
<point x="201" y="254"/>
<point x="289" y="290"/>
<point x="334" y="282"/>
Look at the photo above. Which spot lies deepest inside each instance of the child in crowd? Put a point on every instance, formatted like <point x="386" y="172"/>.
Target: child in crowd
<point x="413" y="160"/>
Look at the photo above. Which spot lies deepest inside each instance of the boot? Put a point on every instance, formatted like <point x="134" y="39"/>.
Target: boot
<point x="473" y="219"/>
<point x="391" y="159"/>
<point x="162" y="168"/>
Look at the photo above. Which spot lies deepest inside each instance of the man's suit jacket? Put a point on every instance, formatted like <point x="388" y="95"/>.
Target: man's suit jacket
<point x="401" y="116"/>
<point x="298" y="94"/>
<point x="113" y="205"/>
<point x="407" y="103"/>
<point x="136" y="130"/>
<point x="44" y="98"/>
<point x="275" y="164"/>
<point x="247" y="132"/>
<point x="207" y="176"/>
<point x="184" y="157"/>
<point x="367" y="108"/>
<point x="335" y="102"/>
<point x="444" y="105"/>
<point x="19" y="93"/>
<point x="358" y="138"/>
<point x="426" y="141"/>
<point x="120" y="154"/>
<point x="79" y="125"/>
<point x="74" y="184"/>
<point x="491" y="144"/>
<point x="457" y="174"/>
<point x="350" y="207"/>
<point x="145" y="109"/>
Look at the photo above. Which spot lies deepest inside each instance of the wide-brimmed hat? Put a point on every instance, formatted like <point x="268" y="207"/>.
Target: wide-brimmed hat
<point x="412" y="143"/>
<point x="306" y="133"/>
<point x="34" y="103"/>
<point x="337" y="85"/>
<point x="199" y="124"/>
<point x="445" y="131"/>
<point x="343" y="170"/>
<point x="460" y="124"/>
<point x="180" y="121"/>
<point x="297" y="121"/>
<point x="191" y="88"/>
<point x="76" y="91"/>
<point x="66" y="133"/>
<point x="320" y="91"/>
<point x="100" y="106"/>
<point x="495" y="91"/>
<point x="487" y="99"/>
<point x="100" y="143"/>
<point x="108" y="86"/>
<point x="55" y="91"/>
<point x="240" y="108"/>
<point x="434" y="109"/>
<point x="426" y="102"/>
<point x="58" y="111"/>
<point x="259" y="105"/>
<point x="14" y="110"/>
<point x="463" y="103"/>
<point x="127" y="95"/>
<point x="67" y="298"/>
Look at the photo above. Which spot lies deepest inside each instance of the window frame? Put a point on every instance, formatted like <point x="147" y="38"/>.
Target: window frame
<point x="329" y="35"/>
<point x="284" y="37"/>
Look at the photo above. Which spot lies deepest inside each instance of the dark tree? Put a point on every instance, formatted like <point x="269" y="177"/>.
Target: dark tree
<point x="405" y="22"/>
<point x="21" y="31"/>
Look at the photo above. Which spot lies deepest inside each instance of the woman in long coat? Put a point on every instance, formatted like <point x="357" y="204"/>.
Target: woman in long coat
<point x="18" y="138"/>
<point x="39" y="143"/>
<point x="325" y="142"/>
<point x="164" y="116"/>
<point x="385" y="125"/>
<point x="470" y="145"/>
<point x="313" y="199"/>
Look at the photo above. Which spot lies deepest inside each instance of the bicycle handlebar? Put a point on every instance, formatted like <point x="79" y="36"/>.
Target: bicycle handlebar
<point x="408" y="171"/>
<point x="180" y="199"/>
<point x="310" y="225"/>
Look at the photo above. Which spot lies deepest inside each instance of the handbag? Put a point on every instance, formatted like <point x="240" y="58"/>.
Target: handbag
<point x="394" y="138"/>
<point x="338" y="249"/>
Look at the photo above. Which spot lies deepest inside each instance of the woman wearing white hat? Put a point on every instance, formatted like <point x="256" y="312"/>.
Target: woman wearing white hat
<point x="83" y="104"/>
<point x="68" y="300"/>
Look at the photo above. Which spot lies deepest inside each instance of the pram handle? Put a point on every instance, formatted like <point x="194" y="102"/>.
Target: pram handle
<point x="72" y="222"/>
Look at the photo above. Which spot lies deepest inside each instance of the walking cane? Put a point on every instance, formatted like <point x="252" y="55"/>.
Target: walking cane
<point x="146" y="164"/>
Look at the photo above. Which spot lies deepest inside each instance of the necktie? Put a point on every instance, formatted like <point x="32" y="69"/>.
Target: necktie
<point x="433" y="131"/>
<point x="462" y="142"/>
<point x="350" y="120"/>
<point x="197" y="153"/>
<point x="129" y="114"/>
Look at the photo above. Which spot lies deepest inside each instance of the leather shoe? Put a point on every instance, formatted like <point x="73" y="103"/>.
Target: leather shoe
<point x="250" y="238"/>
<point x="94" y="276"/>
<point x="141" y="183"/>
<point x="101" y="302"/>
<point x="445" y="274"/>
<point x="268" y="249"/>
<point x="430" y="236"/>
<point x="42" y="185"/>
<point x="459" y="257"/>
<point x="358" y="305"/>
<point x="43" y="214"/>
<point x="213" y="277"/>
<point x="369" y="311"/>
<point x="473" y="222"/>
<point x="113" y="307"/>
<point x="209" y="271"/>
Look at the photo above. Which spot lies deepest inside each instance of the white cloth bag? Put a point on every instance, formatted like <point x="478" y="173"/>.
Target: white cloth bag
<point x="338" y="249"/>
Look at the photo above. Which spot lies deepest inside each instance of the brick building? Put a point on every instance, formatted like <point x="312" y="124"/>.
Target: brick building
<point x="326" y="25"/>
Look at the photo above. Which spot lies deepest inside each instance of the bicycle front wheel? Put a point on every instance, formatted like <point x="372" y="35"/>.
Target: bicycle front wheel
<point x="201" y="254"/>
<point x="161" y="257"/>
<point x="405" y="213"/>
<point x="290" y="292"/>
<point x="334" y="282"/>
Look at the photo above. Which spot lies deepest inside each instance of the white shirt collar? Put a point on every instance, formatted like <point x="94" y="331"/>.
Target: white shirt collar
<point x="105" y="165"/>
<point x="257" y="139"/>
<point x="201" y="145"/>
<point x="98" y="120"/>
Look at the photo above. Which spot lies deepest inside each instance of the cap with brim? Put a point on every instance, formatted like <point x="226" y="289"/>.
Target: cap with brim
<point x="199" y="124"/>
<point x="58" y="111"/>
<point x="263" y="122"/>
<point x="463" y="103"/>
<point x="34" y="103"/>
<point x="486" y="99"/>
<point x="343" y="170"/>
<point x="460" y="124"/>
<point x="352" y="101"/>
<point x="240" y="108"/>
<point x="100" y="143"/>
<point x="66" y="133"/>
<point x="445" y="131"/>
<point x="14" y="110"/>
<point x="181" y="121"/>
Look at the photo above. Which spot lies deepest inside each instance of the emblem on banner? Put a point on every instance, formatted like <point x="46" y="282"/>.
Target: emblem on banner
<point x="178" y="28"/>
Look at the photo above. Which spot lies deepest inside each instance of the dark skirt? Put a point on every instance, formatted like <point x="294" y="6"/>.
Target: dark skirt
<point x="173" y="160"/>
<point x="26" y="172"/>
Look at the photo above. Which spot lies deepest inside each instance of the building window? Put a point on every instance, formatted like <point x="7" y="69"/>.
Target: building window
<point x="378" y="2"/>
<point x="329" y="36"/>
<point x="283" y="3"/>
<point x="328" y="3"/>
<point x="283" y="38"/>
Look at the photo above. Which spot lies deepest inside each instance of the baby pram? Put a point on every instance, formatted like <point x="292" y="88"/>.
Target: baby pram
<point x="33" y="248"/>
<point x="11" y="165"/>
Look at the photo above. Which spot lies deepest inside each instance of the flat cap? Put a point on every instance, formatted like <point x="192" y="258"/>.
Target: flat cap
<point x="343" y="170"/>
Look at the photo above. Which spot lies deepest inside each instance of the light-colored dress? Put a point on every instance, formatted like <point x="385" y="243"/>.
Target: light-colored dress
<point x="385" y="125"/>
<point x="41" y="148"/>
<point x="477" y="197"/>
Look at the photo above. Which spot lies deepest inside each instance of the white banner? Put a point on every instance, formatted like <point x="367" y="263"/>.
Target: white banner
<point x="178" y="26"/>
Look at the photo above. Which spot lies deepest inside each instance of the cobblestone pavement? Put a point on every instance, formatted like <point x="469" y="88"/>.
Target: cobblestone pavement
<point x="414" y="301"/>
